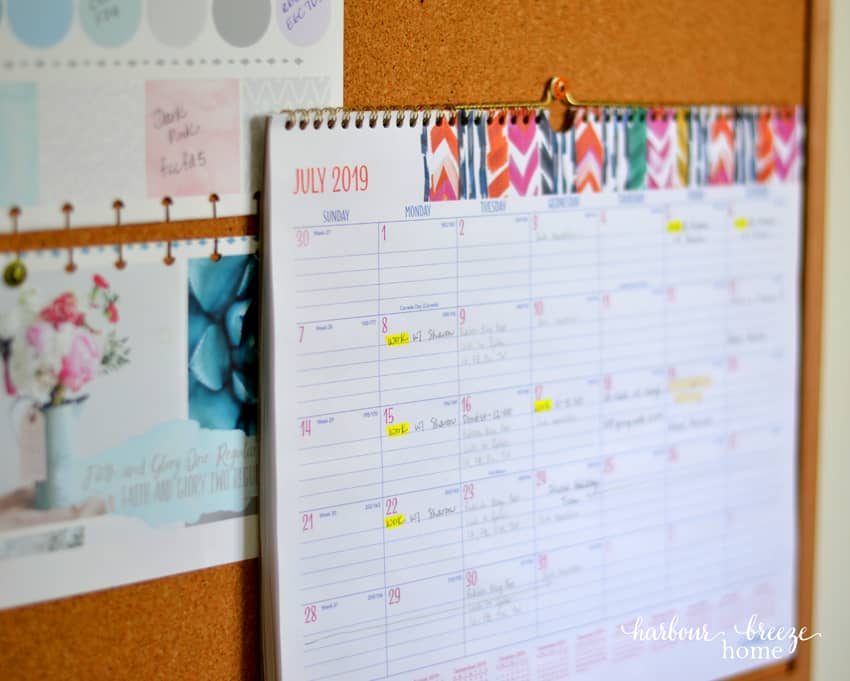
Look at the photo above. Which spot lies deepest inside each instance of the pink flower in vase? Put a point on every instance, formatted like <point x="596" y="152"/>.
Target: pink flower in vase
<point x="62" y="310"/>
<point x="100" y="282"/>
<point x="37" y="336"/>
<point x="79" y="365"/>
<point x="112" y="313"/>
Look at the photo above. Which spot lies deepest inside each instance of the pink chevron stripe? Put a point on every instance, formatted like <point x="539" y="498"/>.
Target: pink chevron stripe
<point x="522" y="135"/>
<point x="522" y="181"/>
<point x="783" y="127"/>
<point x="657" y="125"/>
<point x="659" y="179"/>
<point x="660" y="162"/>
<point x="446" y="186"/>
<point x="786" y="168"/>
<point x="660" y="153"/>
<point x="721" y="174"/>
<point x="660" y="148"/>
<point x="786" y="148"/>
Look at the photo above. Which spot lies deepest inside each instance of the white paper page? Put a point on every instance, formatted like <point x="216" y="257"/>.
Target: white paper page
<point x="513" y="434"/>
<point x="142" y="99"/>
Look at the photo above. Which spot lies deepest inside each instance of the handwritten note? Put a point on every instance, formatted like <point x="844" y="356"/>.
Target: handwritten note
<point x="192" y="137"/>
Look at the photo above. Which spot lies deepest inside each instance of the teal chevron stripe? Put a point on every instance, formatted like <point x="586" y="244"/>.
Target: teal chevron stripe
<point x="636" y="149"/>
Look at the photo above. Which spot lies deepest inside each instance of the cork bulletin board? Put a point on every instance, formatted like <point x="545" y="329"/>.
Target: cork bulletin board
<point x="205" y="625"/>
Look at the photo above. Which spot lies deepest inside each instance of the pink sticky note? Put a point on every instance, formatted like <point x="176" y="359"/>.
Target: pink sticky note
<point x="192" y="137"/>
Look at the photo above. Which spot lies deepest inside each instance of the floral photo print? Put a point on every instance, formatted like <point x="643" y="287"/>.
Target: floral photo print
<point x="128" y="413"/>
<point x="51" y="355"/>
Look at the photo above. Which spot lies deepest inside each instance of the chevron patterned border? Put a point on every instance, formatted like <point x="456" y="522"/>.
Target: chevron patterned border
<point x="612" y="149"/>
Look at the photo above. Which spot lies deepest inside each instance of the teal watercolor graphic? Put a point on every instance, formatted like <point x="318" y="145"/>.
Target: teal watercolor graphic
<point x="110" y="23"/>
<point x="18" y="144"/>
<point x="40" y="23"/>
<point x="223" y="328"/>
<point x="175" y="473"/>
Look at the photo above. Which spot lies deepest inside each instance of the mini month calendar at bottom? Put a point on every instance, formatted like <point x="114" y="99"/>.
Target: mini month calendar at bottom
<point x="524" y="434"/>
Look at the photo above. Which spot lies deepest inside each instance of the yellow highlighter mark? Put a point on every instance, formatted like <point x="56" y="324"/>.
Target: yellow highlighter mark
<point x="393" y="521"/>
<point x="542" y="405"/>
<point x="688" y="398"/>
<point x="402" y="338"/>
<point x="689" y="389"/>
<point x="398" y="429"/>
<point x="690" y="383"/>
<point x="675" y="226"/>
<point x="741" y="223"/>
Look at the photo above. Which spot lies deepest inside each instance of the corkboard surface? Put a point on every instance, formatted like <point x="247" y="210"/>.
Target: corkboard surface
<point x="205" y="625"/>
<point x="453" y="51"/>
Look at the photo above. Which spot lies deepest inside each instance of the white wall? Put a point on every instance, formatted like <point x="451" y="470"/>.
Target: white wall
<point x="832" y="559"/>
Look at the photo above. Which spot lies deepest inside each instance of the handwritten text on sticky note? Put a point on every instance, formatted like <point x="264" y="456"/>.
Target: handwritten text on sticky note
<point x="192" y="137"/>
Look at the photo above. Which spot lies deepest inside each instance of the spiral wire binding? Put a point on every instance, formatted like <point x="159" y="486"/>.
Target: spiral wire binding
<point x="304" y="119"/>
<point x="557" y="90"/>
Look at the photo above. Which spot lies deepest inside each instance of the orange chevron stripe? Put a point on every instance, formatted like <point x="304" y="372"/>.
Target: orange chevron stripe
<point x="722" y="156"/>
<point x="588" y="142"/>
<point x="589" y="156"/>
<point x="722" y="126"/>
<point x="497" y="147"/>
<point x="497" y="159"/>
<point x="764" y="149"/>
<point x="499" y="185"/>
<point x="588" y="181"/>
<point x="444" y="132"/>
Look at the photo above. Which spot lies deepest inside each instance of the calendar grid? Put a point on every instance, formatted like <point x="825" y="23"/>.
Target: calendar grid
<point x="523" y="413"/>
